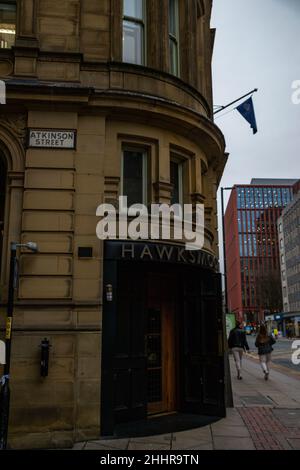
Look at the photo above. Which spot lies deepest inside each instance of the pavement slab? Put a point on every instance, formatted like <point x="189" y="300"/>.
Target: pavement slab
<point x="133" y="445"/>
<point x="295" y="443"/>
<point x="223" y="429"/>
<point x="266" y="416"/>
<point x="233" y="443"/>
<point x="109" y="444"/>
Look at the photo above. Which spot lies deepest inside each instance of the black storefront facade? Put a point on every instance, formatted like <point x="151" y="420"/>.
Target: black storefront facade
<point x="162" y="333"/>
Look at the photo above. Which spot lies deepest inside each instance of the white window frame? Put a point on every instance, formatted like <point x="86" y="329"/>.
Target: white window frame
<point x="179" y="164"/>
<point x="175" y="39"/>
<point x="142" y="23"/>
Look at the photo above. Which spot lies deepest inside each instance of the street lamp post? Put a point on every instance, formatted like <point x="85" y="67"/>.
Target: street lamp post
<point x="228" y="388"/>
<point x="224" y="245"/>
<point x="4" y="381"/>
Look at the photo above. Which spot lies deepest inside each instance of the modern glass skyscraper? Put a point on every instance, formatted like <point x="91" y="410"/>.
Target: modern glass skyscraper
<point x="252" y="254"/>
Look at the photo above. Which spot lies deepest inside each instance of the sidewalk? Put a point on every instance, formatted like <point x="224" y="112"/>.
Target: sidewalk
<point x="266" y="416"/>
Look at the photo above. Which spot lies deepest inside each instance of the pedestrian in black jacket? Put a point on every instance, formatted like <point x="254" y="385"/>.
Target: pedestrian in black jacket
<point x="264" y="343"/>
<point x="237" y="342"/>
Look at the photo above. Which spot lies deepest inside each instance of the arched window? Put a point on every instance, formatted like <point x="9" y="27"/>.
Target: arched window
<point x="3" y="177"/>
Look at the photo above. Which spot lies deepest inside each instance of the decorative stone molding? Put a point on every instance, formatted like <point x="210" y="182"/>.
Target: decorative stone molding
<point x="6" y="67"/>
<point x="111" y="190"/>
<point x="163" y="191"/>
<point x="27" y="23"/>
<point x="197" y="198"/>
<point x="16" y="124"/>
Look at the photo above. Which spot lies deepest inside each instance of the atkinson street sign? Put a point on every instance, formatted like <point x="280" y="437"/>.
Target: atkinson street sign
<point x="54" y="139"/>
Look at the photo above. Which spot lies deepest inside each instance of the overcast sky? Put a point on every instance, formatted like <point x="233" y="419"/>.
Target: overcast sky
<point x="258" y="46"/>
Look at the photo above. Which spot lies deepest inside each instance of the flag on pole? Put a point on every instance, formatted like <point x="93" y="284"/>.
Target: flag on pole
<point x="246" y="109"/>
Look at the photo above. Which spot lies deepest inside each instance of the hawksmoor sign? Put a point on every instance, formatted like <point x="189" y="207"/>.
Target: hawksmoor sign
<point x="54" y="139"/>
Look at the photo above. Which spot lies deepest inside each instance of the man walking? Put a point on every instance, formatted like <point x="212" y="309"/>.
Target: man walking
<point x="237" y="342"/>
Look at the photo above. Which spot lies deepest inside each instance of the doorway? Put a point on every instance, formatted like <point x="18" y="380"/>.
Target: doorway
<point x="160" y="343"/>
<point x="145" y="360"/>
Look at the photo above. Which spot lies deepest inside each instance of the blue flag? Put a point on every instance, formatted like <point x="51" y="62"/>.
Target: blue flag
<point x="247" y="111"/>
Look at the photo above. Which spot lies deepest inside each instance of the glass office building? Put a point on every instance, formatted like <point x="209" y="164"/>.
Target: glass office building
<point x="252" y="254"/>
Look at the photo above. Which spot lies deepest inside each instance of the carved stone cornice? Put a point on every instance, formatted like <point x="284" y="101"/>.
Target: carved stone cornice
<point x="16" y="124"/>
<point x="198" y="198"/>
<point x="163" y="186"/>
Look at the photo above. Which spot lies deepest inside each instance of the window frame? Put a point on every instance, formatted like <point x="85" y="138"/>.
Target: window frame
<point x="141" y="22"/>
<point x="174" y="39"/>
<point x="15" y="3"/>
<point x="180" y="163"/>
<point x="145" y="170"/>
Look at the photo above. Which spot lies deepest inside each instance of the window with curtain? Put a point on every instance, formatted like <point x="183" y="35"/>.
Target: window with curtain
<point x="8" y="21"/>
<point x="134" y="31"/>
<point x="174" y="36"/>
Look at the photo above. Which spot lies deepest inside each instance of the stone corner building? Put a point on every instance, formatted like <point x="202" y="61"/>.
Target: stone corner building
<point x="105" y="98"/>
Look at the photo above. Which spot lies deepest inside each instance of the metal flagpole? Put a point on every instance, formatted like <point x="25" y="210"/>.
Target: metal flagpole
<point x="235" y="101"/>
<point x="228" y="386"/>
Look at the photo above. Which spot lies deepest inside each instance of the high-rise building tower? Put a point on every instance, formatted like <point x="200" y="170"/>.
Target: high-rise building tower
<point x="252" y="254"/>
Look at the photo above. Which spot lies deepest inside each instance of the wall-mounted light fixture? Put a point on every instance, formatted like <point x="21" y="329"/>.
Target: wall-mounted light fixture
<point x="45" y="348"/>
<point x="109" y="292"/>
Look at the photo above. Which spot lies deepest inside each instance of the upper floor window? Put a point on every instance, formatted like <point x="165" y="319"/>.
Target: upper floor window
<point x="8" y="20"/>
<point x="134" y="176"/>
<point x="176" y="179"/>
<point x="174" y="36"/>
<point x="134" y="31"/>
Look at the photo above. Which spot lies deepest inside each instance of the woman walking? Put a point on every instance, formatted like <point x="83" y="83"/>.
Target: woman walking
<point x="264" y="343"/>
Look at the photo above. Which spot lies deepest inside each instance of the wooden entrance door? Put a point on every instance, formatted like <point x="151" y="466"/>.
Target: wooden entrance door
<point x="160" y="343"/>
<point x="202" y="327"/>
